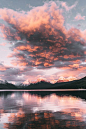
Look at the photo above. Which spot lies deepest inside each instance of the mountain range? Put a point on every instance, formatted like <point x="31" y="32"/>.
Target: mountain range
<point x="76" y="84"/>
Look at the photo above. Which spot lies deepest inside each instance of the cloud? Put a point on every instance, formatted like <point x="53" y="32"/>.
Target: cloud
<point x="10" y="73"/>
<point x="39" y="38"/>
<point x="2" y="44"/>
<point x="19" y="75"/>
<point x="79" y="17"/>
<point x="2" y="67"/>
<point x="64" y="4"/>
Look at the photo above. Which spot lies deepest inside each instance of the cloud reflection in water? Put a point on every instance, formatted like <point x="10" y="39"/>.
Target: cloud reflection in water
<point x="23" y="110"/>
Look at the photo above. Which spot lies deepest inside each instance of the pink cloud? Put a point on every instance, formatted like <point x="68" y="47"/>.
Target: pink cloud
<point x="43" y="41"/>
<point x="64" y="4"/>
<point x="39" y="39"/>
<point x="3" y="44"/>
<point x="79" y="17"/>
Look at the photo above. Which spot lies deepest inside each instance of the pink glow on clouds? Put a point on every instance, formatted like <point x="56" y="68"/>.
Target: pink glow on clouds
<point x="79" y="17"/>
<point x="64" y="4"/>
<point x="39" y="39"/>
<point x="3" y="44"/>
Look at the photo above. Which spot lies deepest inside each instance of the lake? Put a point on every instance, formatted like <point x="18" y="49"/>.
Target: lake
<point x="43" y="109"/>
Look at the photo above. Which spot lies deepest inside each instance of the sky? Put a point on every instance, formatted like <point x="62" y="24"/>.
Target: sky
<point x="42" y="40"/>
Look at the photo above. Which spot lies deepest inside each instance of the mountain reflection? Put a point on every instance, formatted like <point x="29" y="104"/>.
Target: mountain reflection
<point x="26" y="111"/>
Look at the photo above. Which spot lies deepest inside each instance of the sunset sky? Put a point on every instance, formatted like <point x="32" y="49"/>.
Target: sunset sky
<point x="42" y="39"/>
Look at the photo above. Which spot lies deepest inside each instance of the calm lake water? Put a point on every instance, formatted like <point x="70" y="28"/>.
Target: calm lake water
<point x="43" y="110"/>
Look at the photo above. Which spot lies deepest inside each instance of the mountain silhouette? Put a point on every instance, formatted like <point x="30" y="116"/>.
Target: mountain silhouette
<point x="76" y="84"/>
<point x="6" y="85"/>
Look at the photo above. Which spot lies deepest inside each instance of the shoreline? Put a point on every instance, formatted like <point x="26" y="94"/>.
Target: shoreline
<point x="42" y="90"/>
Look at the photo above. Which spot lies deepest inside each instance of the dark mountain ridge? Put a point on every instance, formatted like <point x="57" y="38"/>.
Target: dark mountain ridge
<point x="76" y="84"/>
<point x="7" y="85"/>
